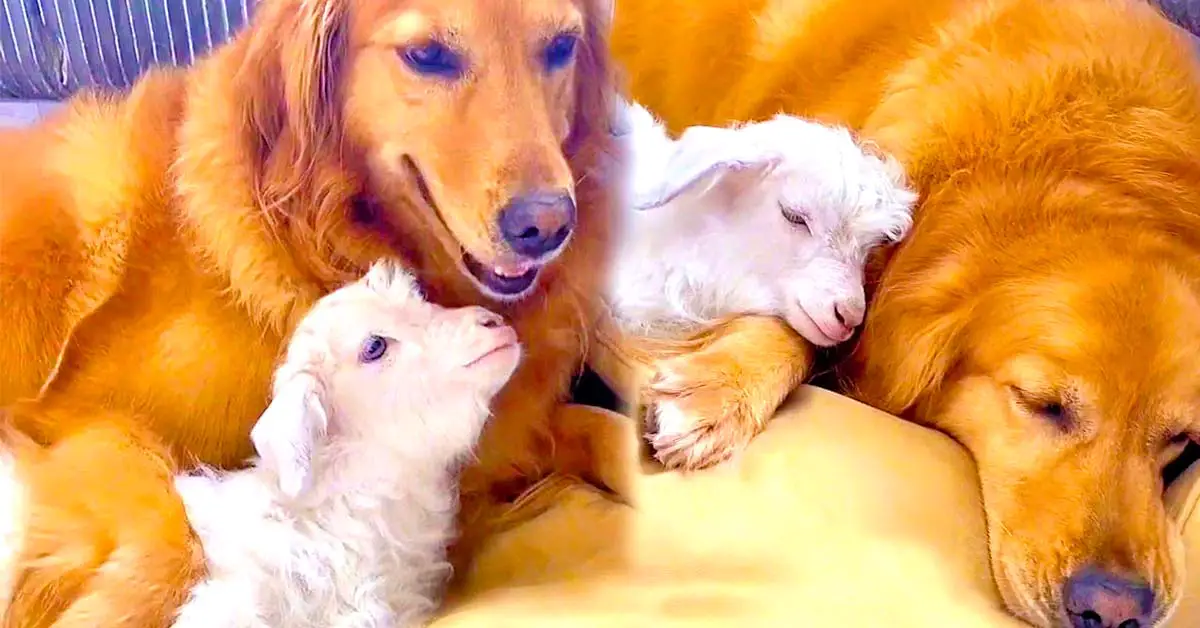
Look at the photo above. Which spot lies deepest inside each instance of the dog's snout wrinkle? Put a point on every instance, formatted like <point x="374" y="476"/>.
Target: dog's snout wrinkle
<point x="1095" y="598"/>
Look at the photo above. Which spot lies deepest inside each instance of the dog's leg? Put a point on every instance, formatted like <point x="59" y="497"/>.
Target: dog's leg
<point x="534" y="445"/>
<point x="704" y="405"/>
<point x="512" y="455"/>
<point x="597" y="445"/>
<point x="107" y="541"/>
<point x="592" y="447"/>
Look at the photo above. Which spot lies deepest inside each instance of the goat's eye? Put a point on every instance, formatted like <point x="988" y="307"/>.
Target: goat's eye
<point x="559" y="52"/>
<point x="433" y="59"/>
<point x="793" y="217"/>
<point x="373" y="348"/>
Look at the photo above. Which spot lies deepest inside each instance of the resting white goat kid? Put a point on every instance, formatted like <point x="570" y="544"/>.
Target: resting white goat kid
<point x="772" y="218"/>
<point x="345" y="517"/>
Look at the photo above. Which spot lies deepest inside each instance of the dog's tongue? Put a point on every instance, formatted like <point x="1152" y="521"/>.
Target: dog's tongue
<point x="511" y="269"/>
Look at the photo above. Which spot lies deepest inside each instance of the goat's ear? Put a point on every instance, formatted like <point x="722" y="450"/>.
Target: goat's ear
<point x="389" y="277"/>
<point x="701" y="155"/>
<point x="649" y="146"/>
<point x="289" y="428"/>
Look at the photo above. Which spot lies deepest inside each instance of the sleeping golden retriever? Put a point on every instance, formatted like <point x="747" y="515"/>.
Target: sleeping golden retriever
<point x="1045" y="311"/>
<point x="155" y="247"/>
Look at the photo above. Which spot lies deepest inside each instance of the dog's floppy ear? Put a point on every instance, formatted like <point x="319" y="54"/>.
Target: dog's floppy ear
<point x="594" y="91"/>
<point x="912" y="337"/>
<point x="288" y="85"/>
<point x="702" y="154"/>
<point x="289" y="428"/>
<point x="291" y="81"/>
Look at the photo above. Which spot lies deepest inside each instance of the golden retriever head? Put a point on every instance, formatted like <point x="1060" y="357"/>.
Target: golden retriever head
<point x="1061" y="347"/>
<point x="453" y="132"/>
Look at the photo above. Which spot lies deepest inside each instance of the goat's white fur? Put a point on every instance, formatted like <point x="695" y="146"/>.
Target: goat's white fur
<point x="706" y="235"/>
<point x="344" y="518"/>
<point x="14" y="504"/>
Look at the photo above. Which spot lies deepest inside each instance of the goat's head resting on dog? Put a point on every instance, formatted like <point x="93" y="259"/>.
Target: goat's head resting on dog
<point x="1062" y="353"/>
<point x="373" y="362"/>
<point x="465" y="122"/>
<point x="807" y="202"/>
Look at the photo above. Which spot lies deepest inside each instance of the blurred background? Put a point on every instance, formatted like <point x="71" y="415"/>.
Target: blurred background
<point x="51" y="48"/>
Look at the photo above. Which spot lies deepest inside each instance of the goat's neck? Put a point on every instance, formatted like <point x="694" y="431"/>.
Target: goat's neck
<point x="389" y="462"/>
<point x="677" y="271"/>
<point x="379" y="472"/>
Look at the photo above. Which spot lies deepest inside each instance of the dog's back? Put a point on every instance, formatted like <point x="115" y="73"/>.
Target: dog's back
<point x="78" y="189"/>
<point x="722" y="61"/>
<point x="726" y="60"/>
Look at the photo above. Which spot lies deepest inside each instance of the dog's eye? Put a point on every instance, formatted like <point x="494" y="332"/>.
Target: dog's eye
<point x="433" y="59"/>
<point x="1182" y="438"/>
<point x="373" y="348"/>
<point x="1052" y="410"/>
<point x="560" y="50"/>
<point x="792" y="216"/>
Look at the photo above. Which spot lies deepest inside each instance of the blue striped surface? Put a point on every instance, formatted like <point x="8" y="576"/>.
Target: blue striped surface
<point x="50" y="48"/>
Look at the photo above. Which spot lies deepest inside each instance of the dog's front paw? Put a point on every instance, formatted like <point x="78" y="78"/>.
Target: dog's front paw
<point x="698" y="416"/>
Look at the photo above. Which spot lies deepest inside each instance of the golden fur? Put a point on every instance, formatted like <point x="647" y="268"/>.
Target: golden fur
<point x="1045" y="310"/>
<point x="158" y="246"/>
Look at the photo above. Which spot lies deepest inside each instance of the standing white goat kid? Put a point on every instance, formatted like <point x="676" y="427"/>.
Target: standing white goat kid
<point x="771" y="218"/>
<point x="345" y="518"/>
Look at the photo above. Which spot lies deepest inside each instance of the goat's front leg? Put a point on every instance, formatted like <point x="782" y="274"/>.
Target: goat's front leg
<point x="598" y="446"/>
<point x="705" y="404"/>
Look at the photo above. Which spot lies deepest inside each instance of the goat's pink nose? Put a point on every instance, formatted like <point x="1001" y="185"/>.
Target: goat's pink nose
<point x="483" y="317"/>
<point x="849" y="314"/>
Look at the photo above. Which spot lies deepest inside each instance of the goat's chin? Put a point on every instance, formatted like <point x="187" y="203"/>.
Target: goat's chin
<point x="807" y="327"/>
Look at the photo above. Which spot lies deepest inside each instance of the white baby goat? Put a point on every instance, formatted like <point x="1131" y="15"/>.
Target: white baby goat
<point x="772" y="218"/>
<point x="345" y="518"/>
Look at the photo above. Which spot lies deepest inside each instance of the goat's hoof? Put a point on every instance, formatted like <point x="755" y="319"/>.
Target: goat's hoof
<point x="697" y="419"/>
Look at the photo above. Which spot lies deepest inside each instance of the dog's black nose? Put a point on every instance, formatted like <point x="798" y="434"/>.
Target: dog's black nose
<point x="1099" y="599"/>
<point x="537" y="224"/>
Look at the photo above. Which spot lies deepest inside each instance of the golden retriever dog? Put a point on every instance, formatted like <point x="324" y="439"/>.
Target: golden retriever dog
<point x="1045" y="310"/>
<point x="157" y="246"/>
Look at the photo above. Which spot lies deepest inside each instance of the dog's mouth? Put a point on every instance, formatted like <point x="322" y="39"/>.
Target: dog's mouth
<point x="506" y="280"/>
<point x="511" y="281"/>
